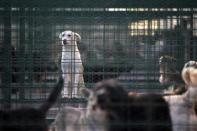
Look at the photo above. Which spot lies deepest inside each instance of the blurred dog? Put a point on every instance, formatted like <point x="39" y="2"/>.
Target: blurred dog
<point x="111" y="108"/>
<point x="170" y="76"/>
<point x="27" y="118"/>
<point x="75" y="119"/>
<point x="111" y="105"/>
<point x="182" y="106"/>
<point x="71" y="64"/>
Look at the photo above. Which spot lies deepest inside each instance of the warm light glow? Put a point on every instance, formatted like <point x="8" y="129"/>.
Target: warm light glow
<point x="144" y="27"/>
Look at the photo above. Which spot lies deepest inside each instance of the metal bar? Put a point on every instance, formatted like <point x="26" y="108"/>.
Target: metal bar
<point x="21" y="55"/>
<point x="99" y="15"/>
<point x="103" y="3"/>
<point x="6" y="64"/>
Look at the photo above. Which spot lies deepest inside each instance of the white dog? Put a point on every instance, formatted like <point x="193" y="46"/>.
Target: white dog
<point x="71" y="64"/>
<point x="182" y="106"/>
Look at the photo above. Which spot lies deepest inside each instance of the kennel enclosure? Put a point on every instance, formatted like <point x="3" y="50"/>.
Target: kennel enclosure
<point x="120" y="39"/>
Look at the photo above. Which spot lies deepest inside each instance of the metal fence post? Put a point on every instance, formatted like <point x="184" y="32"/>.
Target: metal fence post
<point x="6" y="54"/>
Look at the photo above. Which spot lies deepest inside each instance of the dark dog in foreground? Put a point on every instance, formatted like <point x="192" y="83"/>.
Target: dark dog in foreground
<point x="27" y="118"/>
<point x="108" y="102"/>
<point x="111" y="108"/>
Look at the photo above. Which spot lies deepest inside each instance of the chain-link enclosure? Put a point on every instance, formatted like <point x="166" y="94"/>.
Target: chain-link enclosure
<point x="119" y="39"/>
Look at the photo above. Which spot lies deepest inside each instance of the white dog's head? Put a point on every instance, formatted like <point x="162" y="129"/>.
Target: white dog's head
<point x="189" y="73"/>
<point x="69" y="38"/>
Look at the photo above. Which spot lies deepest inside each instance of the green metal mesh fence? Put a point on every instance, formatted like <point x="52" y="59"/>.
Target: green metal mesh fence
<point x="122" y="40"/>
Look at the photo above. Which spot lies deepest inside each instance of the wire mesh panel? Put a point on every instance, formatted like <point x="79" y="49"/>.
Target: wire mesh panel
<point x="123" y="43"/>
<point x="118" y="40"/>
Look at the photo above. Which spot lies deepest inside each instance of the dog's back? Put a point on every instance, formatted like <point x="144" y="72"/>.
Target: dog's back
<point x="143" y="112"/>
<point x="29" y="119"/>
<point x="149" y="112"/>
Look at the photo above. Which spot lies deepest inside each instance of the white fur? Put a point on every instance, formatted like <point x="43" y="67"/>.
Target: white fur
<point x="71" y="64"/>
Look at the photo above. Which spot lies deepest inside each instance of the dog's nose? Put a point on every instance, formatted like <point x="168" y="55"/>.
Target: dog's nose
<point x="64" y="42"/>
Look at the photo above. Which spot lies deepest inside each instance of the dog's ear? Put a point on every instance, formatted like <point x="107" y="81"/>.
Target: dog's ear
<point x="186" y="75"/>
<point x="86" y="92"/>
<point x="77" y="36"/>
<point x="193" y="76"/>
<point x="60" y="36"/>
<point x="189" y="73"/>
<point x="187" y="70"/>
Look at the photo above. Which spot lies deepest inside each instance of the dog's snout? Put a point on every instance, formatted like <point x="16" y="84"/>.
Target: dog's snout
<point x="64" y="42"/>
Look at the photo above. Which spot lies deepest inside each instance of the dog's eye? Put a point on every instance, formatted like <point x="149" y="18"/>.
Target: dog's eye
<point x="69" y="35"/>
<point x="63" y="35"/>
